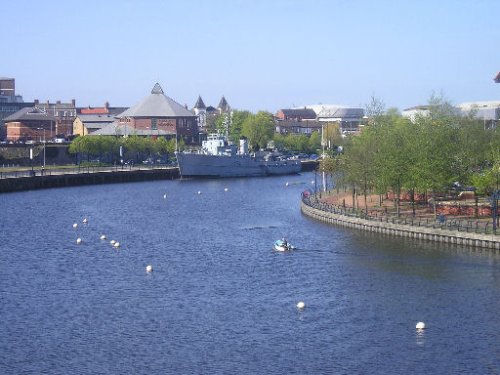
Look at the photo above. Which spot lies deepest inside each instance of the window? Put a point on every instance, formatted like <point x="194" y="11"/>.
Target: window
<point x="154" y="124"/>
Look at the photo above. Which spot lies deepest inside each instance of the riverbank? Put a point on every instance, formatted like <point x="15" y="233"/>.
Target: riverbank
<point x="53" y="178"/>
<point x="12" y="179"/>
<point x="477" y="234"/>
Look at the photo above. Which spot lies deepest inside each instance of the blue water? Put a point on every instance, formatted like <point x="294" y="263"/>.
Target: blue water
<point x="220" y="300"/>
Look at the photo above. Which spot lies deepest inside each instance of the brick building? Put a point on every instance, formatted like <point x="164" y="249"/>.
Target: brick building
<point x="155" y="115"/>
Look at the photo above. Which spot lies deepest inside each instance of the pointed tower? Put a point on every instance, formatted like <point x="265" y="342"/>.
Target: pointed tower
<point x="199" y="106"/>
<point x="223" y="107"/>
<point x="200" y="110"/>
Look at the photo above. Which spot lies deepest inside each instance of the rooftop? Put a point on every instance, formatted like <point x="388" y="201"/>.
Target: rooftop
<point x="157" y="105"/>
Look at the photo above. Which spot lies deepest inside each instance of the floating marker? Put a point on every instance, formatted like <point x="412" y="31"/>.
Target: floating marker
<point x="199" y="192"/>
<point x="112" y="242"/>
<point x="301" y="305"/>
<point x="226" y="189"/>
<point x="164" y="196"/>
<point x="116" y="244"/>
<point x="286" y="184"/>
<point x="103" y="237"/>
<point x="78" y="241"/>
<point x="149" y="268"/>
<point x="85" y="221"/>
<point x="75" y="225"/>
<point x="420" y="326"/>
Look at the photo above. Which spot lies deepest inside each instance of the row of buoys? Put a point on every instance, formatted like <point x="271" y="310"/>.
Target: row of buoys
<point x="114" y="243"/>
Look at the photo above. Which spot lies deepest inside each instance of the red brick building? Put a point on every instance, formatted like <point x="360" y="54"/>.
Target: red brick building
<point x="157" y="115"/>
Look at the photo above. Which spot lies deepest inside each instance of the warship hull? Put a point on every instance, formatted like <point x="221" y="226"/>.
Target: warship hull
<point x="219" y="166"/>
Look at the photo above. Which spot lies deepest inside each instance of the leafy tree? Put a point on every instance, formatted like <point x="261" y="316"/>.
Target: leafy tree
<point x="314" y="142"/>
<point x="259" y="129"/>
<point x="236" y="127"/>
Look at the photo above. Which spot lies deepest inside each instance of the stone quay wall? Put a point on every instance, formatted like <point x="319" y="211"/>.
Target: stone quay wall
<point x="476" y="240"/>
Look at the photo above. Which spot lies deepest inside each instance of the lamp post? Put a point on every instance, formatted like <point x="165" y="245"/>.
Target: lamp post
<point x="44" y="143"/>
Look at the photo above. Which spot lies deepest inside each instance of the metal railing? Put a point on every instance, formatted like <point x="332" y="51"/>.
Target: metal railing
<point x="484" y="226"/>
<point x="51" y="171"/>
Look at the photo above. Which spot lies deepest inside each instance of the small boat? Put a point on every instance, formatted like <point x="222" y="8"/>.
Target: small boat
<point x="283" y="245"/>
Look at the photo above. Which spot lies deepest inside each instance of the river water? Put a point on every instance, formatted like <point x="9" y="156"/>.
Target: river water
<point x="220" y="300"/>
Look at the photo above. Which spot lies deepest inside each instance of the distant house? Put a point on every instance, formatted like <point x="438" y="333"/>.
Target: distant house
<point x="206" y="114"/>
<point x="488" y="112"/>
<point x="412" y="112"/>
<point x="91" y="119"/>
<point x="296" y="114"/>
<point x="297" y="127"/>
<point x="157" y="115"/>
<point x="30" y="124"/>
<point x="348" y="118"/>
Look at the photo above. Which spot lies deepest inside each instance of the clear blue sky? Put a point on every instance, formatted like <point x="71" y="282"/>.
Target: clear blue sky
<point x="260" y="54"/>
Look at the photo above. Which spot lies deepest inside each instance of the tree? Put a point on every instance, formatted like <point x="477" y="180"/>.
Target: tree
<point x="259" y="129"/>
<point x="236" y="127"/>
<point x="331" y="136"/>
<point x="314" y="142"/>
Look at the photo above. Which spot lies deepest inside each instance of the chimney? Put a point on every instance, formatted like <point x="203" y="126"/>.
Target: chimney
<point x="73" y="103"/>
<point x="106" y="105"/>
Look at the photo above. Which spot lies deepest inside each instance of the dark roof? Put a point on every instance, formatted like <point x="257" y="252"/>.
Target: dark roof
<point x="199" y="103"/>
<point x="157" y="105"/>
<point x="223" y="104"/>
<point x="211" y="109"/>
<point x="304" y="113"/>
<point x="30" y="113"/>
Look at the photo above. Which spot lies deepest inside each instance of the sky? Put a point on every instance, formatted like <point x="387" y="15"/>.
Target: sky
<point x="259" y="54"/>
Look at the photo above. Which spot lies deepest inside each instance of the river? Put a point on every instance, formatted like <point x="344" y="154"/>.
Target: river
<point x="219" y="299"/>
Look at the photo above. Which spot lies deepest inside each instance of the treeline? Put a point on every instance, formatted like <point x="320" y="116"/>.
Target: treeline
<point x="426" y="156"/>
<point x="134" y="148"/>
<point x="259" y="129"/>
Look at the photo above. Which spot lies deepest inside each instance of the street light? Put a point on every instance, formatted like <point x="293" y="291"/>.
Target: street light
<point x="44" y="143"/>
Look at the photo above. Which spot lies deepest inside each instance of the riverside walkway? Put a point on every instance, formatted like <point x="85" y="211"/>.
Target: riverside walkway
<point x="31" y="179"/>
<point x="472" y="233"/>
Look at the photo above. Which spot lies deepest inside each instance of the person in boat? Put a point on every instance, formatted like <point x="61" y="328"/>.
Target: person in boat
<point x="283" y="240"/>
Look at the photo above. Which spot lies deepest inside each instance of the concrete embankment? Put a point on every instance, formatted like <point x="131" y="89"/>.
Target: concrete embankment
<point x="87" y="178"/>
<point x="476" y="240"/>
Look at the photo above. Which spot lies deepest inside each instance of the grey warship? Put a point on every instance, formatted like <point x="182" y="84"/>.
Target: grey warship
<point x="218" y="158"/>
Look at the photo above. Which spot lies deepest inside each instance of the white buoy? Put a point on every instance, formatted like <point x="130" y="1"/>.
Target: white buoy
<point x="301" y="305"/>
<point x="226" y="189"/>
<point x="312" y="182"/>
<point x="149" y="268"/>
<point x="78" y="241"/>
<point x="286" y="184"/>
<point x="116" y="244"/>
<point x="199" y="192"/>
<point x="420" y="325"/>
<point x="164" y="196"/>
<point x="85" y="221"/>
<point x="112" y="242"/>
<point x="75" y="225"/>
<point x="103" y="237"/>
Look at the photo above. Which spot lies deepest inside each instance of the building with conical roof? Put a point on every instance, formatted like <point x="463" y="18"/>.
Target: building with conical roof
<point x="159" y="115"/>
<point x="200" y="110"/>
<point x="223" y="107"/>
